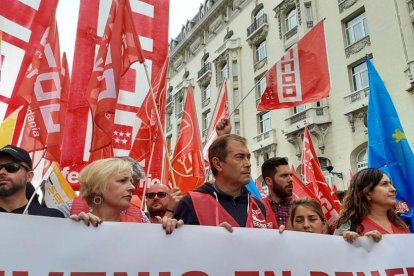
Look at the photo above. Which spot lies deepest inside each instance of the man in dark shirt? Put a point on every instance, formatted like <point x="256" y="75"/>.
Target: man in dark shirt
<point x="15" y="187"/>
<point x="225" y="202"/>
<point x="278" y="177"/>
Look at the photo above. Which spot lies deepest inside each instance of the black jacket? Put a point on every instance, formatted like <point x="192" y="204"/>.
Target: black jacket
<point x="35" y="208"/>
<point x="235" y="206"/>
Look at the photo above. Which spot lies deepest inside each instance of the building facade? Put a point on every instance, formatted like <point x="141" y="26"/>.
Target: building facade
<point x="239" y="40"/>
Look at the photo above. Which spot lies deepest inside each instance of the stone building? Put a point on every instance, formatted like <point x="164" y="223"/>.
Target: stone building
<point x="239" y="40"/>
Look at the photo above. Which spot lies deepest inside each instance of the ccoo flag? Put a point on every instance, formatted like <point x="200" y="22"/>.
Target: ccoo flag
<point x="388" y="148"/>
<point x="301" y="75"/>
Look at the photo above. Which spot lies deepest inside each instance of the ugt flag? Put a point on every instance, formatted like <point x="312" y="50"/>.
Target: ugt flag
<point x="300" y="76"/>
<point x="388" y="147"/>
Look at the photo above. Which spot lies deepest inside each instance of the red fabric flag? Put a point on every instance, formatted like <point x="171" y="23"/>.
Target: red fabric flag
<point x="313" y="176"/>
<point x="33" y="19"/>
<point x="300" y="190"/>
<point x="149" y="137"/>
<point x="45" y="87"/>
<point x="187" y="163"/>
<point x="118" y="49"/>
<point x="301" y="76"/>
<point x="221" y="111"/>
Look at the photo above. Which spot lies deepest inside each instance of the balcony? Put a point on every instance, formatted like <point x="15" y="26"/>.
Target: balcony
<point x="229" y="44"/>
<point x="289" y="34"/>
<point x="345" y="4"/>
<point x="258" y="30"/>
<point x="357" y="46"/>
<point x="204" y="75"/>
<point x="264" y="139"/>
<point x="205" y="102"/>
<point x="256" y="25"/>
<point x="310" y="116"/>
<point x="356" y="100"/>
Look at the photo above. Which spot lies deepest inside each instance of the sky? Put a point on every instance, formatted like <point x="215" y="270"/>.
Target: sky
<point x="67" y="16"/>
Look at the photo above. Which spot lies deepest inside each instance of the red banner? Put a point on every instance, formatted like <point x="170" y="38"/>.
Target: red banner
<point x="187" y="161"/>
<point x="133" y="88"/>
<point x="43" y="88"/>
<point x="23" y="27"/>
<point x="301" y="76"/>
<point x="313" y="175"/>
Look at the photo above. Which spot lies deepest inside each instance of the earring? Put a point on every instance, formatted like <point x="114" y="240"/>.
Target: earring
<point x="97" y="200"/>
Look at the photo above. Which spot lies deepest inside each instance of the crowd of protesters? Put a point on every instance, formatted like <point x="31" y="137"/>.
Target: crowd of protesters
<point x="108" y="186"/>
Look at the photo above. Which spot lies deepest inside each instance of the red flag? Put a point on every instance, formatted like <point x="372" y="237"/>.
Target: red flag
<point x="33" y="19"/>
<point x="149" y="135"/>
<point x="187" y="161"/>
<point x="301" y="76"/>
<point x="118" y="49"/>
<point x="45" y="88"/>
<point x="300" y="190"/>
<point x="220" y="111"/>
<point x="313" y="175"/>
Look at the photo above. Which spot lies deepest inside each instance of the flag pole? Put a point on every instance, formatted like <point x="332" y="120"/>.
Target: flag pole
<point x="159" y="123"/>
<point x="146" y="175"/>
<point x="248" y="93"/>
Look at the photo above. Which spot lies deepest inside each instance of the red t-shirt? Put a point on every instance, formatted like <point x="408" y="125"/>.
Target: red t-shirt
<point x="370" y="225"/>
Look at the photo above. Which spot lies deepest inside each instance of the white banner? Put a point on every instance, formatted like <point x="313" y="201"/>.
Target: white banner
<point x="44" y="246"/>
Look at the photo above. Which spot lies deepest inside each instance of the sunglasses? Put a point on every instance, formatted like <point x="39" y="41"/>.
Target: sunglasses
<point x="12" y="167"/>
<point x="159" y="195"/>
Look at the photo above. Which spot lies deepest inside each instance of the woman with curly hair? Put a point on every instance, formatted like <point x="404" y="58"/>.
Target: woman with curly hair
<point x="368" y="208"/>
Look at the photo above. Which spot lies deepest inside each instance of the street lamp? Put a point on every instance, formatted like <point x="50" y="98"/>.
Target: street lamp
<point x="338" y="174"/>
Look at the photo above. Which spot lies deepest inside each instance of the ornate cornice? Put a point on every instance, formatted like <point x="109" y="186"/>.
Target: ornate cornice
<point x="357" y="46"/>
<point x="345" y="4"/>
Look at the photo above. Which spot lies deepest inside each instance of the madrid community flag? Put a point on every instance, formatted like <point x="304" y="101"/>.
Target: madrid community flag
<point x="187" y="162"/>
<point x="118" y="49"/>
<point x="300" y="76"/>
<point x="388" y="147"/>
<point x="148" y="144"/>
<point x="315" y="179"/>
<point x="221" y="111"/>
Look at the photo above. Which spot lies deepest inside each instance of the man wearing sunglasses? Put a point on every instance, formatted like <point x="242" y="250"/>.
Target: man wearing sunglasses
<point x="161" y="201"/>
<point x="15" y="176"/>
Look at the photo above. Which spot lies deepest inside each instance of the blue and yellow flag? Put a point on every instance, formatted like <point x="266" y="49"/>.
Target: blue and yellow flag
<point x="388" y="147"/>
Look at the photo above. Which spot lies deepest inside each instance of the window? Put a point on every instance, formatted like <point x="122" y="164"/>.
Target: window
<point x="260" y="88"/>
<point x="309" y="15"/>
<point x="224" y="72"/>
<point x="360" y="76"/>
<point x="205" y="93"/>
<point x="265" y="122"/>
<point x="258" y="14"/>
<point x="180" y="106"/>
<point x="291" y="19"/>
<point x="168" y="121"/>
<point x="236" y="97"/>
<point x="261" y="51"/>
<point x="356" y="28"/>
<point x="206" y="119"/>
<point x="299" y="108"/>
<point x="237" y="128"/>
<point x="362" y="159"/>
<point x="235" y="70"/>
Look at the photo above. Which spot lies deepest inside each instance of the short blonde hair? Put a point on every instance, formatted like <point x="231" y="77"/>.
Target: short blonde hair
<point x="94" y="177"/>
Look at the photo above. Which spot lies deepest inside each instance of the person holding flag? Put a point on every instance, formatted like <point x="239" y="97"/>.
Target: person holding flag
<point x="368" y="208"/>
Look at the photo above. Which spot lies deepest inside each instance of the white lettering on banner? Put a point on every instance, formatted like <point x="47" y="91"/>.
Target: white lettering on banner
<point x="71" y="176"/>
<point x="31" y="121"/>
<point x="287" y="254"/>
<point x="108" y="75"/>
<point x="15" y="29"/>
<point x="289" y="88"/>
<point x="142" y="8"/>
<point x="148" y="181"/>
<point x="47" y="111"/>
<point x="42" y="95"/>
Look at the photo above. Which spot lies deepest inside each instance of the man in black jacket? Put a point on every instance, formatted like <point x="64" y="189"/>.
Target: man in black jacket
<point x="15" y="187"/>
<point x="225" y="202"/>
